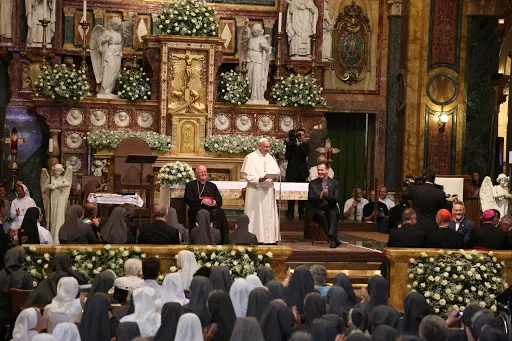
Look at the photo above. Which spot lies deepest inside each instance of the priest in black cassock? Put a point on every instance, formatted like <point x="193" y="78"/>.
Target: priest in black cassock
<point x="204" y="194"/>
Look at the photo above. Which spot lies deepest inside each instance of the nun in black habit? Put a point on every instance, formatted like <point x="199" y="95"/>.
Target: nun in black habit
<point x="74" y="231"/>
<point x="127" y="331"/>
<point x="314" y="307"/>
<point x="415" y="309"/>
<point x="13" y="276"/>
<point x="171" y="313"/>
<point x="358" y="318"/>
<point x="103" y="282"/>
<point x="200" y="289"/>
<point x="385" y="333"/>
<point x="337" y="302"/>
<point x="28" y="227"/>
<point x="384" y="315"/>
<point x="343" y="281"/>
<point x="265" y="274"/>
<point x="222" y="313"/>
<point x="259" y="299"/>
<point x="241" y="235"/>
<point x="378" y="292"/>
<point x="220" y="278"/>
<point x="301" y="336"/>
<point x="204" y="233"/>
<point x="323" y="330"/>
<point x="276" y="289"/>
<point x="277" y="321"/>
<point x="300" y="285"/>
<point x="96" y="322"/>
<point x="115" y="230"/>
<point x="246" y="329"/>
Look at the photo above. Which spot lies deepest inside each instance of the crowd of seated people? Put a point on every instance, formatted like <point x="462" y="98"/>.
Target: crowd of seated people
<point x="195" y="304"/>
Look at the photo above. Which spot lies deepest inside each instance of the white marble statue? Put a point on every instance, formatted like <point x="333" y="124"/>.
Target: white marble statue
<point x="55" y="192"/>
<point x="97" y="167"/>
<point x="5" y="18"/>
<point x="106" y="53"/>
<point x="487" y="201"/>
<point x="35" y="11"/>
<point x="502" y="194"/>
<point x="301" y="19"/>
<point x="255" y="48"/>
<point x="327" y="37"/>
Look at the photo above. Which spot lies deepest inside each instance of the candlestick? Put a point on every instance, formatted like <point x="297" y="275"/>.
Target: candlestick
<point x="280" y="22"/>
<point x="84" y="16"/>
<point x="278" y="59"/>
<point x="14" y="139"/>
<point x="50" y="146"/>
<point x="85" y="27"/>
<point x="44" y="24"/>
<point x="44" y="9"/>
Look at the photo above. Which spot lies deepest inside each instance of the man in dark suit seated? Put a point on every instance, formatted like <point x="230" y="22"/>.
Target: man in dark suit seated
<point x="487" y="236"/>
<point x="506" y="227"/>
<point x="461" y="224"/>
<point x="427" y="200"/>
<point x="382" y="212"/>
<point x="159" y="232"/>
<point x="323" y="196"/>
<point x="204" y="194"/>
<point x="444" y="237"/>
<point x="407" y="235"/>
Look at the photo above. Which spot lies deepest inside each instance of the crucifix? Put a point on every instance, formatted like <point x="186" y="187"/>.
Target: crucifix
<point x="14" y="140"/>
<point x="328" y="150"/>
<point x="183" y="66"/>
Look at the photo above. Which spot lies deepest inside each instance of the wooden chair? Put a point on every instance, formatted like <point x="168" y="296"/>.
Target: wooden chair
<point x="18" y="298"/>
<point x="89" y="185"/>
<point x="317" y="232"/>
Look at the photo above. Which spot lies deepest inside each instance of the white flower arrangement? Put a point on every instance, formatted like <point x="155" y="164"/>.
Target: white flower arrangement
<point x="452" y="280"/>
<point x="109" y="139"/>
<point x="91" y="263"/>
<point x="36" y="265"/>
<point x="62" y="83"/>
<point x="175" y="173"/>
<point x="240" y="261"/>
<point x="297" y="91"/>
<point x="234" y="87"/>
<point x="133" y="84"/>
<point x="241" y="144"/>
<point x="188" y="17"/>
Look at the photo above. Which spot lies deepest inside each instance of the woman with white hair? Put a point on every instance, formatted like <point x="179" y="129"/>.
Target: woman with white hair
<point x="20" y="205"/>
<point x="187" y="267"/>
<point x="65" y="307"/>
<point x="131" y="279"/>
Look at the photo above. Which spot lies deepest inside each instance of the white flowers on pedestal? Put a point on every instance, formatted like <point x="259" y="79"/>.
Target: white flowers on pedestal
<point x="175" y="174"/>
<point x="188" y="17"/>
<point x="108" y="139"/>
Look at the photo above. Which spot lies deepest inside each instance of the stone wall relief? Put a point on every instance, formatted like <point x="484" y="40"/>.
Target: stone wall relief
<point x="145" y="119"/>
<point x="286" y="123"/>
<point x="97" y="167"/>
<point x="122" y="119"/>
<point x="75" y="117"/>
<point x="98" y="117"/>
<point x="74" y="140"/>
<point x="222" y="122"/>
<point x="265" y="123"/>
<point x="243" y="123"/>
<point x="74" y="162"/>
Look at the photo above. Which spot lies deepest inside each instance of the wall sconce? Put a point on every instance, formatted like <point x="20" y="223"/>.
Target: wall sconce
<point x="501" y="21"/>
<point x="443" y="118"/>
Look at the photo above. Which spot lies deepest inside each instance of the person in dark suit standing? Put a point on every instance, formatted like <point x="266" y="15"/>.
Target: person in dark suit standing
<point x="323" y="196"/>
<point x="203" y="194"/>
<point x="407" y="235"/>
<point x="427" y="200"/>
<point x="461" y="224"/>
<point x="159" y="232"/>
<point x="395" y="214"/>
<point x="487" y="236"/>
<point x="369" y="211"/>
<point x="444" y="237"/>
<point x="506" y="227"/>
<point x="297" y="152"/>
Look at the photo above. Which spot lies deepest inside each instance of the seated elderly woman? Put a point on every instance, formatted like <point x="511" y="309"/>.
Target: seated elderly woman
<point x="319" y="273"/>
<point x="131" y="279"/>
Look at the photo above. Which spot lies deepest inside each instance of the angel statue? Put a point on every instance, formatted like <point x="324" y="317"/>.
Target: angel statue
<point x="255" y="48"/>
<point x="106" y="53"/>
<point x="55" y="192"/>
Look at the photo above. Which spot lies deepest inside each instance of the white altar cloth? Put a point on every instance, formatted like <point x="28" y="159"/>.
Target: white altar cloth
<point x="115" y="199"/>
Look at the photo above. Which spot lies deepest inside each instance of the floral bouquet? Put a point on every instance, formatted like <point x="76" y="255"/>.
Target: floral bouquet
<point x="234" y="87"/>
<point x="452" y="280"/>
<point x="244" y="144"/>
<point x="187" y="18"/>
<point x="108" y="139"/>
<point x="133" y="84"/>
<point x="175" y="173"/>
<point x="36" y="265"/>
<point x="240" y="261"/>
<point x="297" y="91"/>
<point x="62" y="83"/>
<point x="91" y="263"/>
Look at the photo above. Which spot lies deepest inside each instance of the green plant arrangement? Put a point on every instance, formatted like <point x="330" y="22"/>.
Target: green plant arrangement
<point x="297" y="91"/>
<point x="452" y="280"/>
<point x="188" y="18"/>
<point x="36" y="265"/>
<point x="175" y="173"/>
<point x="62" y="83"/>
<point x="109" y="139"/>
<point x="133" y="84"/>
<point x="240" y="144"/>
<point x="234" y="87"/>
<point x="240" y="261"/>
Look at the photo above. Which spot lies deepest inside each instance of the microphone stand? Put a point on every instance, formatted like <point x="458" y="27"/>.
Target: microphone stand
<point x="280" y="188"/>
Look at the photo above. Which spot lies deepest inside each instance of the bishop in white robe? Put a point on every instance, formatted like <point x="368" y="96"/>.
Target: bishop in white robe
<point x="260" y="197"/>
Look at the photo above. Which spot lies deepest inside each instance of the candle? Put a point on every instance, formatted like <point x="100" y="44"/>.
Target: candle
<point x="14" y="139"/>
<point x="45" y="8"/>
<point x="280" y="22"/>
<point x="510" y="157"/>
<point x="84" y="16"/>
<point x="50" y="146"/>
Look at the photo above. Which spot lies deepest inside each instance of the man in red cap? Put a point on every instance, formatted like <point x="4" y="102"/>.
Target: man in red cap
<point x="444" y="237"/>
<point x="487" y="236"/>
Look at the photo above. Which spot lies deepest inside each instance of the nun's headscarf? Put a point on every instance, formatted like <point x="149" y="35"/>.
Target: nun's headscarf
<point x="26" y="321"/>
<point x="187" y="264"/>
<point x="342" y="280"/>
<point x="277" y="321"/>
<point x="253" y="281"/>
<point x="323" y="330"/>
<point x="103" y="282"/>
<point x="259" y="299"/>
<point x="276" y="290"/>
<point x="65" y="301"/>
<point x="385" y="333"/>
<point x="239" y="294"/>
<point x="145" y="311"/>
<point x="247" y="329"/>
<point x="378" y="291"/>
<point x="172" y="290"/>
<point x="337" y="302"/>
<point x="14" y="259"/>
<point x="69" y="230"/>
<point x="66" y="331"/>
<point x="45" y="337"/>
<point x="265" y="275"/>
<point x="115" y="231"/>
<point x="203" y="234"/>
<point x="222" y="313"/>
<point x="200" y="289"/>
<point x="95" y="323"/>
<point x="221" y="279"/>
<point x="314" y="307"/>
<point x="171" y="313"/>
<point x="29" y="228"/>
<point x="300" y="285"/>
<point x="189" y="328"/>
<point x="241" y="235"/>
<point x="384" y="314"/>
<point x="359" y="318"/>
<point x="415" y="309"/>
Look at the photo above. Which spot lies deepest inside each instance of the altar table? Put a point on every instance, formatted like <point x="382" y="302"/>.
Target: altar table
<point x="115" y="199"/>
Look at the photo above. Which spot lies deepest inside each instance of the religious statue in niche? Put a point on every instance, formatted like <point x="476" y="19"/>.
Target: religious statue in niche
<point x="255" y="49"/>
<point x="35" y="11"/>
<point x="327" y="37"/>
<point x="106" y="53"/>
<point x="187" y="88"/>
<point x="55" y="191"/>
<point x="352" y="45"/>
<point x="97" y="167"/>
<point x="5" y="19"/>
<point x="301" y="19"/>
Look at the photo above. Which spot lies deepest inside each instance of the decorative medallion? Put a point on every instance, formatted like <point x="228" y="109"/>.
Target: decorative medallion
<point x="75" y="162"/>
<point x="243" y="123"/>
<point x="122" y="119"/>
<point x="265" y="123"/>
<point x="98" y="117"/>
<point x="221" y="122"/>
<point x="145" y="119"/>
<point x="286" y="123"/>
<point x="442" y="89"/>
<point x="352" y="44"/>
<point x="74" y="117"/>
<point x="74" y="140"/>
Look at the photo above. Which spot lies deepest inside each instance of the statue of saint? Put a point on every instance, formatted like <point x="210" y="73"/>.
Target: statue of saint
<point x="327" y="37"/>
<point x="256" y="50"/>
<point x="5" y="19"/>
<point x="35" y="11"/>
<point x="55" y="192"/>
<point x="501" y="194"/>
<point x="301" y="19"/>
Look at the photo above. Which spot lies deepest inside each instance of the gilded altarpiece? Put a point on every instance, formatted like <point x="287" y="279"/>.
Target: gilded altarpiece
<point x="187" y="88"/>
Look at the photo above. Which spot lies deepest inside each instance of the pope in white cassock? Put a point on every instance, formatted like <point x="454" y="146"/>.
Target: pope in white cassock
<point x="260" y="197"/>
